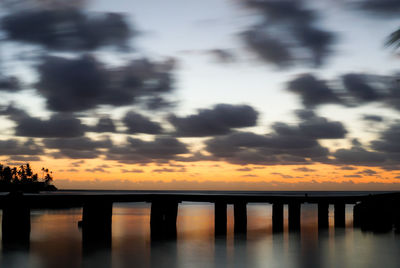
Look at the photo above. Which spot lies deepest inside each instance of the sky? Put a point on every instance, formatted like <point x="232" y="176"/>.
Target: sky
<point x="202" y="95"/>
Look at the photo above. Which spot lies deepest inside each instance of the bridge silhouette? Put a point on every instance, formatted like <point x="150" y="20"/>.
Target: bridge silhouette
<point x="376" y="213"/>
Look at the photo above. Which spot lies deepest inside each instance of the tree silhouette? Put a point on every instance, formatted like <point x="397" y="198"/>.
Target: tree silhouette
<point x="394" y="39"/>
<point x="23" y="179"/>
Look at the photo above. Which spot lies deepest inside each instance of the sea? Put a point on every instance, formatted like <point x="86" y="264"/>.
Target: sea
<point x="56" y="240"/>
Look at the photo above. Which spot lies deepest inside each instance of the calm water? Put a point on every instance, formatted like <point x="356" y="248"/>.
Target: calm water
<point x="56" y="242"/>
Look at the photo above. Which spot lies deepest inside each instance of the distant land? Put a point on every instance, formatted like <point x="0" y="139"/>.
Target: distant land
<point x="22" y="179"/>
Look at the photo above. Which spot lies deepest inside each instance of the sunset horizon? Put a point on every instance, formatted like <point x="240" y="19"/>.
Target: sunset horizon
<point x="248" y="95"/>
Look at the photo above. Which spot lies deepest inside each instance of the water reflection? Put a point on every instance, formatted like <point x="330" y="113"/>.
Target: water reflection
<point x="56" y="241"/>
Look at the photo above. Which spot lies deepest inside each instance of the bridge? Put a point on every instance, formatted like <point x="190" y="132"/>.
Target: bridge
<point x="377" y="213"/>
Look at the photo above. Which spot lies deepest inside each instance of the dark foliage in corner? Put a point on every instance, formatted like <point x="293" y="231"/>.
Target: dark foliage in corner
<point x="23" y="179"/>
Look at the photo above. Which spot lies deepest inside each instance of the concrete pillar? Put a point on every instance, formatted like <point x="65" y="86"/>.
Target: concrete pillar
<point x="16" y="223"/>
<point x="294" y="216"/>
<point x="96" y="224"/>
<point x="163" y="217"/>
<point x="358" y="214"/>
<point x="277" y="217"/>
<point x="340" y="214"/>
<point x="323" y="215"/>
<point x="376" y="216"/>
<point x="220" y="218"/>
<point x="240" y="216"/>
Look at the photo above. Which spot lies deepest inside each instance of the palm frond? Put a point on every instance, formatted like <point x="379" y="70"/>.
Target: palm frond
<point x="394" y="39"/>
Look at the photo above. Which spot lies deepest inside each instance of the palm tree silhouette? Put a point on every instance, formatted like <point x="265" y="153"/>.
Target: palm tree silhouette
<point x="394" y="39"/>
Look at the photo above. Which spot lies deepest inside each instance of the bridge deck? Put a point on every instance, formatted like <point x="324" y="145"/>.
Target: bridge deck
<point x="78" y="200"/>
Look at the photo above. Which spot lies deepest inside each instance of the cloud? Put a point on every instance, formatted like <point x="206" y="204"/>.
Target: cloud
<point x="67" y="29"/>
<point x="304" y="169"/>
<point x="352" y="176"/>
<point x="9" y="84"/>
<point x="347" y="168"/>
<point x="222" y="55"/>
<point x="58" y="125"/>
<point x="389" y="144"/>
<point x="168" y="170"/>
<point x="374" y="118"/>
<point x="359" y="156"/>
<point x="104" y="124"/>
<point x="267" y="48"/>
<point x="160" y="149"/>
<point x="96" y="169"/>
<point x="284" y="176"/>
<point x="367" y="172"/>
<point x="288" y="34"/>
<point x="284" y="146"/>
<point x="75" y="148"/>
<point x="381" y="7"/>
<point x="137" y="123"/>
<point x="84" y="83"/>
<point x="312" y="91"/>
<point x="132" y="171"/>
<point x="243" y="169"/>
<point x="351" y="90"/>
<point x="320" y="128"/>
<point x="219" y="120"/>
<point x="24" y="158"/>
<point x="77" y="163"/>
<point x="357" y="85"/>
<point x="14" y="147"/>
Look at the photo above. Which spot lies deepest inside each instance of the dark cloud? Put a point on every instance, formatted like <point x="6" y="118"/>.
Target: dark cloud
<point x="243" y="169"/>
<point x="104" y="124"/>
<point x="286" y="145"/>
<point x="375" y="118"/>
<point x="269" y="49"/>
<point x="320" y="128"/>
<point x="367" y="172"/>
<point x="284" y="176"/>
<point x="312" y="126"/>
<point x="351" y="90"/>
<point x="359" y="156"/>
<point x="9" y="84"/>
<point x="219" y="120"/>
<point x="132" y="171"/>
<point x="352" y="176"/>
<point x="347" y="168"/>
<point x="381" y="7"/>
<point x="161" y="149"/>
<point x="223" y="55"/>
<point x="75" y="148"/>
<point x="77" y="163"/>
<point x="60" y="125"/>
<point x="57" y="126"/>
<point x="288" y="34"/>
<point x="389" y="144"/>
<point x="158" y="103"/>
<point x="357" y="85"/>
<point x="96" y="169"/>
<point x="78" y="84"/>
<point x="14" y="147"/>
<point x="24" y="158"/>
<point x="18" y="5"/>
<point x="313" y="91"/>
<point x="304" y="169"/>
<point x="168" y="170"/>
<point x="281" y="147"/>
<point x="137" y="123"/>
<point x="67" y="29"/>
